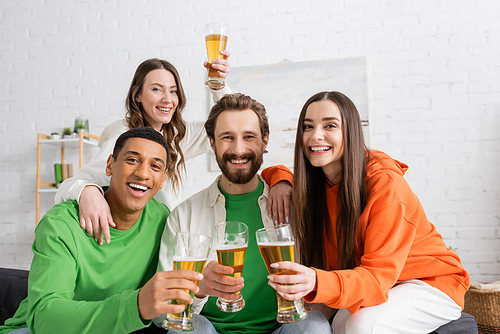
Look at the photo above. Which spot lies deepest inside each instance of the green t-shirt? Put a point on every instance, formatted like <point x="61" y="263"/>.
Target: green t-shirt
<point x="77" y="286"/>
<point x="259" y="313"/>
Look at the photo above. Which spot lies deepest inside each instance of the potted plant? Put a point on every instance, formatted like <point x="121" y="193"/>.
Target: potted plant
<point x="78" y="128"/>
<point x="67" y="133"/>
<point x="81" y="125"/>
<point x="55" y="135"/>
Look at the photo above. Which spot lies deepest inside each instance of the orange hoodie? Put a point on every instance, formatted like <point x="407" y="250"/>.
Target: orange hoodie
<point x="397" y="243"/>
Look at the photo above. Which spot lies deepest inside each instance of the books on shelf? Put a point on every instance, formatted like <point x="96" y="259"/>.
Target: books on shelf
<point x="64" y="171"/>
<point x="72" y="168"/>
<point x="58" y="174"/>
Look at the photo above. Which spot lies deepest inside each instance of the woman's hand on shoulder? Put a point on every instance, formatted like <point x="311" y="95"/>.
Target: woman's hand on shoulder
<point x="95" y="214"/>
<point x="278" y="204"/>
<point x="221" y="65"/>
<point x="304" y="281"/>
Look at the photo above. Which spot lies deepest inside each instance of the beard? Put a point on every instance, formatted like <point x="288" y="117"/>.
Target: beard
<point x="240" y="176"/>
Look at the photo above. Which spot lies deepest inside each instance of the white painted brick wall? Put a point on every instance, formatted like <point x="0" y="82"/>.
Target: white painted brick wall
<point x="433" y="86"/>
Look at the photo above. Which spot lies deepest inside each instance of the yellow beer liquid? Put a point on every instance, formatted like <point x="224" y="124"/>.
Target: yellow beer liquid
<point x="194" y="264"/>
<point x="278" y="252"/>
<point x="215" y="44"/>
<point x="234" y="258"/>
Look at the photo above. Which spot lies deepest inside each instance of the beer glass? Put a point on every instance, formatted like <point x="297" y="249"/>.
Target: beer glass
<point x="216" y="40"/>
<point x="276" y="244"/>
<point x="231" y="242"/>
<point x="190" y="253"/>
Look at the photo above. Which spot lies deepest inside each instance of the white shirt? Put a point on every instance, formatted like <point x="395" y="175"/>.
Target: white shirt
<point x="193" y="144"/>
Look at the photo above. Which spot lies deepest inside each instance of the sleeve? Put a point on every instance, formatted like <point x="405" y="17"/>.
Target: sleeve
<point x="387" y="242"/>
<point x="172" y="226"/>
<point x="165" y="262"/>
<point x="275" y="174"/>
<point x="118" y="126"/>
<point x="196" y="141"/>
<point x="218" y="94"/>
<point x="94" y="173"/>
<point x="52" y="281"/>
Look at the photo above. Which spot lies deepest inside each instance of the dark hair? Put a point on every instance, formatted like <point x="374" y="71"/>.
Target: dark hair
<point x="173" y="132"/>
<point x="312" y="217"/>
<point x="142" y="132"/>
<point x="237" y="102"/>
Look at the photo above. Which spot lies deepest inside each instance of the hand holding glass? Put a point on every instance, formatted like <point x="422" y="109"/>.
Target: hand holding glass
<point x="231" y="242"/>
<point x="276" y="244"/>
<point x="216" y="41"/>
<point x="190" y="253"/>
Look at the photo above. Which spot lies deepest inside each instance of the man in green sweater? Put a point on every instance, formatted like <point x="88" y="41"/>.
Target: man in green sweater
<point x="238" y="130"/>
<point x="77" y="286"/>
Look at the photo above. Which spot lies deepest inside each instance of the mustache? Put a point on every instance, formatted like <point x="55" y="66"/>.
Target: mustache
<point x="246" y="156"/>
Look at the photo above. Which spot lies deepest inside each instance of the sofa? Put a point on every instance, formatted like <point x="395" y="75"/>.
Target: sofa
<point x="14" y="288"/>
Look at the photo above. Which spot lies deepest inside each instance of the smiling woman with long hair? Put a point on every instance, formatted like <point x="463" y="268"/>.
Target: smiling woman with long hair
<point x="155" y="99"/>
<point x="372" y="252"/>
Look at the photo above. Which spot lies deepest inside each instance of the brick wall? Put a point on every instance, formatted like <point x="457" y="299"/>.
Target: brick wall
<point x="433" y="83"/>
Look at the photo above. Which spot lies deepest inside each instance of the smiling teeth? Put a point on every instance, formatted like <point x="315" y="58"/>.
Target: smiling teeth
<point x="320" y="148"/>
<point x="136" y="186"/>
<point x="239" y="162"/>
<point x="164" y="109"/>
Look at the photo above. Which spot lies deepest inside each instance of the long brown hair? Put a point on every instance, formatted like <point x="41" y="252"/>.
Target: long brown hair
<point x="174" y="131"/>
<point x="311" y="211"/>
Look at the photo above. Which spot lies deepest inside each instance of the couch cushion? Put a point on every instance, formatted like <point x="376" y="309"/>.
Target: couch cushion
<point x="466" y="324"/>
<point x="4" y="315"/>
<point x="13" y="289"/>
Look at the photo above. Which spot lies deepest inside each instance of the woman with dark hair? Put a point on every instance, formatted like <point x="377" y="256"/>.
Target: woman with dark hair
<point x="365" y="243"/>
<point x="155" y="99"/>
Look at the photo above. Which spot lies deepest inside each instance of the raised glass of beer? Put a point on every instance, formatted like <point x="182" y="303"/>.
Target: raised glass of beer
<point x="190" y="253"/>
<point x="231" y="242"/>
<point x="276" y="244"/>
<point x="216" y="40"/>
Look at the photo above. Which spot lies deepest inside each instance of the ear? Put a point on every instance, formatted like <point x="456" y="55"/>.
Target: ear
<point x="265" y="141"/>
<point x="212" y="144"/>
<point x="109" y="165"/>
<point x="138" y="98"/>
<point x="163" y="179"/>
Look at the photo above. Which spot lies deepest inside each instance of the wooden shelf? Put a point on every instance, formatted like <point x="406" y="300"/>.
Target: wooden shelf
<point x="68" y="143"/>
<point x="83" y="139"/>
<point x="48" y="190"/>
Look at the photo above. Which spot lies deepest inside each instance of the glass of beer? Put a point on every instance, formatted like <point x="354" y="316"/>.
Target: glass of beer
<point x="216" y="40"/>
<point x="231" y="242"/>
<point x="190" y="253"/>
<point x="276" y="244"/>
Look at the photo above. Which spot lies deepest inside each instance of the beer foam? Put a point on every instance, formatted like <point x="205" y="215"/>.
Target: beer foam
<point x="188" y="258"/>
<point x="276" y="243"/>
<point x="228" y="247"/>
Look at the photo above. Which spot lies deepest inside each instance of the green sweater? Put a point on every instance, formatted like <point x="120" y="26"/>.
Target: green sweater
<point x="77" y="286"/>
<point x="259" y="313"/>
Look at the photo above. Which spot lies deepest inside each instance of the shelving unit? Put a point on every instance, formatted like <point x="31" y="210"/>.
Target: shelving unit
<point x="84" y="139"/>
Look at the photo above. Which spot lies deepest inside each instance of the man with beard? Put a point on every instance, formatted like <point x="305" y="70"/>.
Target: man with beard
<point x="238" y="130"/>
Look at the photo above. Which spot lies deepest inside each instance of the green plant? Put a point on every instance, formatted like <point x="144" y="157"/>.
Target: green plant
<point x="66" y="131"/>
<point x="54" y="133"/>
